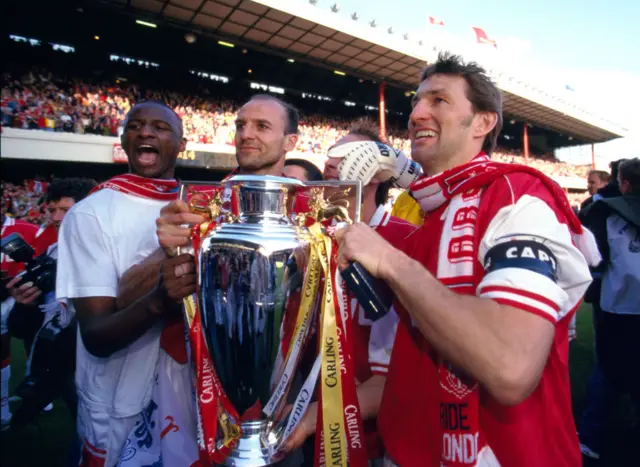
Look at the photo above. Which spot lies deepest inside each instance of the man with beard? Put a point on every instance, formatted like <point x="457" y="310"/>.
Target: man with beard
<point x="485" y="291"/>
<point x="124" y="377"/>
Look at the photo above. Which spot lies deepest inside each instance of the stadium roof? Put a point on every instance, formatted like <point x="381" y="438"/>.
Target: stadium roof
<point x="303" y="31"/>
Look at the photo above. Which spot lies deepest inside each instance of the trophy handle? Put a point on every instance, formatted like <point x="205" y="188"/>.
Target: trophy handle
<point x="333" y="205"/>
<point x="374" y="295"/>
<point x="202" y="198"/>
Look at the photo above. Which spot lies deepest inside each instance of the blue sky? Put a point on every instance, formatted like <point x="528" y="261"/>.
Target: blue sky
<point x="564" y="33"/>
<point x="591" y="45"/>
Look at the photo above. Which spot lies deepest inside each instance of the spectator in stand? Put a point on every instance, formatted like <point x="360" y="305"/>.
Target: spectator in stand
<point x="40" y="100"/>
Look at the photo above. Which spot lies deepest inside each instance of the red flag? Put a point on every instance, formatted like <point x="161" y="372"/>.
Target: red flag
<point x="482" y="38"/>
<point x="435" y="21"/>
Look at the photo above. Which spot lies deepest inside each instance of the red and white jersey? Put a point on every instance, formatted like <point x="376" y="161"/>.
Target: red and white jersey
<point x="27" y="231"/>
<point x="373" y="340"/>
<point x="522" y="255"/>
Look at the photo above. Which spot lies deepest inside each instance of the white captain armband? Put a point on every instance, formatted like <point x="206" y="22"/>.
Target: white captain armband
<point x="531" y="255"/>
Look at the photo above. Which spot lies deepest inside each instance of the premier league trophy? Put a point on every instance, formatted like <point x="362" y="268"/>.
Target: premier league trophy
<point x="266" y="278"/>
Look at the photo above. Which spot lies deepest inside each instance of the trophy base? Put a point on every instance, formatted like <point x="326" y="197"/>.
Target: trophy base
<point x="250" y="450"/>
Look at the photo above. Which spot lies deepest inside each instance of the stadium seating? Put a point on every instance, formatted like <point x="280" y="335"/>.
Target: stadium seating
<point x="42" y="101"/>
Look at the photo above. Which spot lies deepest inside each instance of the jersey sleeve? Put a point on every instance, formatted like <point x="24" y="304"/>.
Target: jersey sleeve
<point x="86" y="262"/>
<point x="530" y="261"/>
<point x="381" y="339"/>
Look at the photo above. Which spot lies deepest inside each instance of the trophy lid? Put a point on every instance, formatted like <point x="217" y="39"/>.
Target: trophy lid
<point x="264" y="198"/>
<point x="266" y="181"/>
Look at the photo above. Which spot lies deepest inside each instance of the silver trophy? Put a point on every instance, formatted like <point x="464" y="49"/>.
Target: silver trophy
<point x="251" y="269"/>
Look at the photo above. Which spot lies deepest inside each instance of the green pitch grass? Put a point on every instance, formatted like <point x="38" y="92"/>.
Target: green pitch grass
<point x="46" y="443"/>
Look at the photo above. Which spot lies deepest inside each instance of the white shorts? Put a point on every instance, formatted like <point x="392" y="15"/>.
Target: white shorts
<point x="102" y="436"/>
<point x="165" y="430"/>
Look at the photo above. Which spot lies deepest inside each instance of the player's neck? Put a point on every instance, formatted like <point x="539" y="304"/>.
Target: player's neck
<point x="369" y="206"/>
<point x="439" y="164"/>
<point x="274" y="169"/>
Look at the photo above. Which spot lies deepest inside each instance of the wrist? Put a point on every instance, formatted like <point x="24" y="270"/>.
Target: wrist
<point x="157" y="300"/>
<point x="390" y="265"/>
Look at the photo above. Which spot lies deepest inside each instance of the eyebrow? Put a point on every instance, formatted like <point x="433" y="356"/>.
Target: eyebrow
<point x="155" y="120"/>
<point x="257" y="120"/>
<point x="430" y="92"/>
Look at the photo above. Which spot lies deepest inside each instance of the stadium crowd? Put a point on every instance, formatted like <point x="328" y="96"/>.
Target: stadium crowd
<point x="40" y="100"/>
<point x="26" y="201"/>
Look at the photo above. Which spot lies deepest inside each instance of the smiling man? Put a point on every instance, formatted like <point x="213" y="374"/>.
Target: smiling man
<point x="485" y="291"/>
<point x="121" y="367"/>
<point x="266" y="130"/>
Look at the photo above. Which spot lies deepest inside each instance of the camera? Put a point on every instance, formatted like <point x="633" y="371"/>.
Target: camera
<point x="41" y="270"/>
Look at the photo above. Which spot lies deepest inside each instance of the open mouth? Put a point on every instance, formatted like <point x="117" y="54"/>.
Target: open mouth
<point x="147" y="154"/>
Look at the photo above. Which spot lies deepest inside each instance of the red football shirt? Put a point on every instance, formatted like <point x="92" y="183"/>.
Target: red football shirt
<point x="373" y="341"/>
<point x="540" y="431"/>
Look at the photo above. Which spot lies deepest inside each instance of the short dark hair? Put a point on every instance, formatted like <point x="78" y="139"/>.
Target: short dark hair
<point x="76" y="188"/>
<point x="291" y="113"/>
<point x="630" y="172"/>
<point x="160" y="104"/>
<point x="601" y="174"/>
<point x="615" y="166"/>
<point x="312" y="172"/>
<point x="370" y="129"/>
<point x="482" y="92"/>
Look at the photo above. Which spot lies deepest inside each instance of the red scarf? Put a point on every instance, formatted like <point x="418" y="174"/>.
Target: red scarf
<point x="150" y="188"/>
<point x="432" y="192"/>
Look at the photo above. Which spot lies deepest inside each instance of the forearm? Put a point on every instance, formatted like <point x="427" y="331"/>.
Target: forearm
<point x="472" y="333"/>
<point x="135" y="309"/>
<point x="105" y="334"/>
<point x="140" y="279"/>
<point x="370" y="395"/>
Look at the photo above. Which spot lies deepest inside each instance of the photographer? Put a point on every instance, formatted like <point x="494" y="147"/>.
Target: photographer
<point x="41" y="321"/>
<point x="9" y="269"/>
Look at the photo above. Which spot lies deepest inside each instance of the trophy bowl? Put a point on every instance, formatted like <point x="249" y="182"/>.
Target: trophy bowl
<point x="250" y="271"/>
